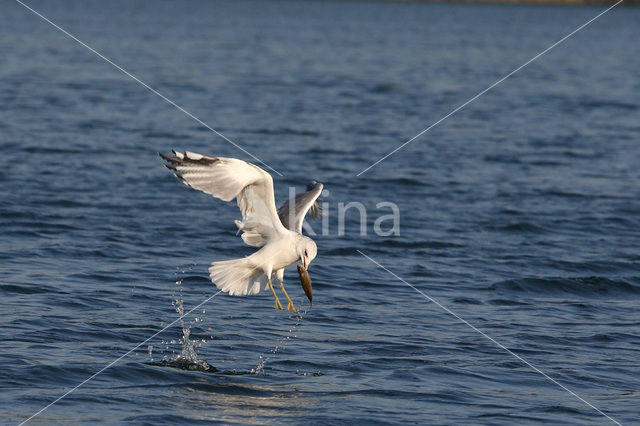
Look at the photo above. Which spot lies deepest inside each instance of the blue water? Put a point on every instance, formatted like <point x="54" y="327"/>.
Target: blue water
<point x="521" y="213"/>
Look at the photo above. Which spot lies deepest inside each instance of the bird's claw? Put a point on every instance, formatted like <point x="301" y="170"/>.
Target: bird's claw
<point x="290" y="306"/>
<point x="278" y="305"/>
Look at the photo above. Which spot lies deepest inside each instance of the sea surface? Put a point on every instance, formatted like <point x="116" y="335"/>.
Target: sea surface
<point x="519" y="214"/>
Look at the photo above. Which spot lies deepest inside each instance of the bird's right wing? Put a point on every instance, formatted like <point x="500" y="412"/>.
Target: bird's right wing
<point x="229" y="178"/>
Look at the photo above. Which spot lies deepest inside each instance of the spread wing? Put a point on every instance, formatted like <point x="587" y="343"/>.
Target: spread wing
<point x="292" y="215"/>
<point x="229" y="178"/>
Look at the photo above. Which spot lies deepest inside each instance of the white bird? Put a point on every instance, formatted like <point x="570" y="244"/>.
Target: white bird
<point x="229" y="178"/>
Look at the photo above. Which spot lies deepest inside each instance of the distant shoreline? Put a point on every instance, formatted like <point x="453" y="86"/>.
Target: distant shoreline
<point x="558" y="2"/>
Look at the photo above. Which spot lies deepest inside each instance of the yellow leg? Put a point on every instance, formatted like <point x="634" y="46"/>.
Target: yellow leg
<point x="275" y="296"/>
<point x="290" y="306"/>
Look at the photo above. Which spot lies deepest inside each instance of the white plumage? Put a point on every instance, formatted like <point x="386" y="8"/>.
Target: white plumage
<point x="229" y="178"/>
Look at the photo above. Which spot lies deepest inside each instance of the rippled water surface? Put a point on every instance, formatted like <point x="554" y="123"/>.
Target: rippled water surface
<point x="520" y="214"/>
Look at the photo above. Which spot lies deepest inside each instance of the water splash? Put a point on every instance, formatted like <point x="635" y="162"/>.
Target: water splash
<point x="281" y="345"/>
<point x="187" y="358"/>
<point x="307" y="373"/>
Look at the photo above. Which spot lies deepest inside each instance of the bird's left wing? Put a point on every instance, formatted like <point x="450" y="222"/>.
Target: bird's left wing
<point x="229" y="178"/>
<point x="292" y="212"/>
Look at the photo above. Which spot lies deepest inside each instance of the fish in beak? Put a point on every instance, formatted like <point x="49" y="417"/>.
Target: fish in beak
<point x="305" y="280"/>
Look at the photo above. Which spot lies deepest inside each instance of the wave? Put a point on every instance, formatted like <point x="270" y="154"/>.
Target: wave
<point x="519" y="227"/>
<point x="284" y="131"/>
<point x="573" y="285"/>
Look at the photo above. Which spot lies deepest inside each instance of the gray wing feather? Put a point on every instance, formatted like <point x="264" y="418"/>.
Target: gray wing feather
<point x="293" y="216"/>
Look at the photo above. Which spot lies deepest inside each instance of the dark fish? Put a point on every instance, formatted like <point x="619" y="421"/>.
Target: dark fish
<point x="305" y="280"/>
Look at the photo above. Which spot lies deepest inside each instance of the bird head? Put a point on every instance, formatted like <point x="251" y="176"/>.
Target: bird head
<point x="307" y="250"/>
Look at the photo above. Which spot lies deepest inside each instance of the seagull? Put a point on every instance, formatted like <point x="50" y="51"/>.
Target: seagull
<point x="277" y="232"/>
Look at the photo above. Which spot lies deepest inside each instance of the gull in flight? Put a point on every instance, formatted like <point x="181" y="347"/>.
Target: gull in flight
<point x="277" y="232"/>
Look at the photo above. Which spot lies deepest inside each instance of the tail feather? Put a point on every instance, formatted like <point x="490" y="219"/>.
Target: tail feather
<point x="238" y="277"/>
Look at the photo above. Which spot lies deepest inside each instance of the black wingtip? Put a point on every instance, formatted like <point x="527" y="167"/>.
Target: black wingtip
<point x="169" y="159"/>
<point x="312" y="185"/>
